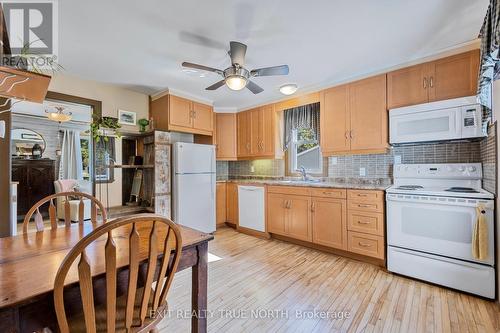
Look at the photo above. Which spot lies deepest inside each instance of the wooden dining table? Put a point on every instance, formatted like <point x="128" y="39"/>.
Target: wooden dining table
<point x="29" y="263"/>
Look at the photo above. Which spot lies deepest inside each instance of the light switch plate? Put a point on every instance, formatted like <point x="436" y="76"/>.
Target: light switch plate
<point x="252" y="169"/>
<point x="2" y="129"/>
<point x="362" y="172"/>
<point x="333" y="160"/>
<point x="397" y="159"/>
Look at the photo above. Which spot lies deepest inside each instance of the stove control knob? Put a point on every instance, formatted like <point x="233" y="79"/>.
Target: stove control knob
<point x="471" y="168"/>
<point x="449" y="168"/>
<point x="461" y="168"/>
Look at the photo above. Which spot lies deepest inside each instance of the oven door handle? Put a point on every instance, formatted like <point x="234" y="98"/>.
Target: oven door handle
<point x="442" y="258"/>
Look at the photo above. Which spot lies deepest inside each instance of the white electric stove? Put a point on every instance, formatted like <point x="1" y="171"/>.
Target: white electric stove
<point x="431" y="213"/>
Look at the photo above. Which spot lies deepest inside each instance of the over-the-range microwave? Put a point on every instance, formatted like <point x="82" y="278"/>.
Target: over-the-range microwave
<point x="453" y="119"/>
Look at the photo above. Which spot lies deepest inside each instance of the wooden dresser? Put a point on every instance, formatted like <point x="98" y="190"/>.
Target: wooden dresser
<point x="36" y="181"/>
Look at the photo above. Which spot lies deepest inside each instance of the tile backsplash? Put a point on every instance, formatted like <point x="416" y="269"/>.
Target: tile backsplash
<point x="380" y="166"/>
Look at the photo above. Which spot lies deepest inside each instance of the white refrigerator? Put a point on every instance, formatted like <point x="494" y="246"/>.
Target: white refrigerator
<point x="194" y="181"/>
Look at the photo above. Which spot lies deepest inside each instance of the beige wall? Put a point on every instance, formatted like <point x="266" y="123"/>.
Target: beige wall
<point x="112" y="98"/>
<point x="496" y="117"/>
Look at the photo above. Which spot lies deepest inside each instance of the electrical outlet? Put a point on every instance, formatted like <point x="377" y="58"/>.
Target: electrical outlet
<point x="362" y="172"/>
<point x="252" y="169"/>
<point x="333" y="160"/>
<point x="397" y="159"/>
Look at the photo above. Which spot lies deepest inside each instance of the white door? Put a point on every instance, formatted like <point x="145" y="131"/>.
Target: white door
<point x="436" y="225"/>
<point x="194" y="201"/>
<point x="193" y="158"/>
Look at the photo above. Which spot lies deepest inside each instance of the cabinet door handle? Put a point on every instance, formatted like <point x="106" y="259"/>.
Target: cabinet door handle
<point x="313" y="208"/>
<point x="346" y="135"/>
<point x="431" y="82"/>
<point x="364" y="244"/>
<point x="351" y="134"/>
<point x="424" y="83"/>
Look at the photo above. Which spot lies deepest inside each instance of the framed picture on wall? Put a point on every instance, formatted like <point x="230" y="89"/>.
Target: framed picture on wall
<point x="127" y="117"/>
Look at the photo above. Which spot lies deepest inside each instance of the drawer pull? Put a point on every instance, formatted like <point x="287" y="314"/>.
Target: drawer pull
<point x="361" y="195"/>
<point x="364" y="206"/>
<point x="364" y="244"/>
<point x="364" y="222"/>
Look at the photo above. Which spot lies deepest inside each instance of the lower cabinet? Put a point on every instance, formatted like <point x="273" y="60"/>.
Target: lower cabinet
<point x="232" y="213"/>
<point x="220" y="204"/>
<point x="348" y="220"/>
<point x="329" y="222"/>
<point x="289" y="215"/>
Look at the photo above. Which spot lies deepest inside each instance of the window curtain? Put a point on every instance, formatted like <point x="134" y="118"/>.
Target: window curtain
<point x="71" y="165"/>
<point x="303" y="116"/>
<point x="490" y="59"/>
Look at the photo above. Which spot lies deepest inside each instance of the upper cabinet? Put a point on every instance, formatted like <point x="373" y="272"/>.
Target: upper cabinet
<point x="258" y="133"/>
<point x="225" y="142"/>
<point x="173" y="113"/>
<point x="354" y="118"/>
<point x="445" y="78"/>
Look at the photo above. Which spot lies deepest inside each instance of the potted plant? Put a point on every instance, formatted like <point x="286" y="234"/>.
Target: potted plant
<point x="142" y="124"/>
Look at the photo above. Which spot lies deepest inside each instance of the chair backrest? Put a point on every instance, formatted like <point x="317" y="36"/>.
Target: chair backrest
<point x="167" y="239"/>
<point x="38" y="219"/>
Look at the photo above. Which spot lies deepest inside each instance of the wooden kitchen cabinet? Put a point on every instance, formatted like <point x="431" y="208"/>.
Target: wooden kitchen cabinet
<point x="335" y="120"/>
<point x="277" y="213"/>
<point x="299" y="218"/>
<point x="445" y="78"/>
<point x="329" y="222"/>
<point x="232" y="212"/>
<point x="354" y="118"/>
<point x="226" y="136"/>
<point x="454" y="76"/>
<point x="244" y="129"/>
<point x="289" y="215"/>
<point x="220" y="203"/>
<point x="368" y="111"/>
<point x="258" y="133"/>
<point x="173" y="113"/>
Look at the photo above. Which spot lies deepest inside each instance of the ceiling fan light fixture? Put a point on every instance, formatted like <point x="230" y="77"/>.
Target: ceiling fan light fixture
<point x="288" y="89"/>
<point x="236" y="82"/>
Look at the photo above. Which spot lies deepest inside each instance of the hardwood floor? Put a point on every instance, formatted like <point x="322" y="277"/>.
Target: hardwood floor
<point x="261" y="285"/>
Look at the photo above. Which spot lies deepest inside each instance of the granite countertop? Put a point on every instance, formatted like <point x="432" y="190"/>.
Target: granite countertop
<point x="350" y="183"/>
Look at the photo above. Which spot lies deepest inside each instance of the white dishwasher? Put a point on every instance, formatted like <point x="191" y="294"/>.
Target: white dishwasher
<point x="251" y="206"/>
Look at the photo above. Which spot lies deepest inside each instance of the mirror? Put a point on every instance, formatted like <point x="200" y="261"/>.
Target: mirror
<point x="23" y="140"/>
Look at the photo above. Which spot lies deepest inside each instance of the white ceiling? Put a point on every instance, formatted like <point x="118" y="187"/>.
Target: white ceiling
<point x="138" y="44"/>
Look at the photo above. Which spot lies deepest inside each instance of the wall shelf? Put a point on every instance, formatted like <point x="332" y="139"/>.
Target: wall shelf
<point x="124" y="166"/>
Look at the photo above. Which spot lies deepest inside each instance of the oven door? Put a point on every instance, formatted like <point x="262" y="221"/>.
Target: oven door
<point x="437" y="225"/>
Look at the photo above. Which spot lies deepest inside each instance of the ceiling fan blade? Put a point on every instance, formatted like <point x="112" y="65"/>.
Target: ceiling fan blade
<point x="201" y="67"/>
<point x="193" y="38"/>
<point x="254" y="87"/>
<point x="237" y="53"/>
<point x="216" y="85"/>
<point x="270" y="71"/>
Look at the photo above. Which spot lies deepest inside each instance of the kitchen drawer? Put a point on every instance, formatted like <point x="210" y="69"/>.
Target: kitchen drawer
<point x="367" y="245"/>
<point x="366" y="222"/>
<point x="337" y="193"/>
<point x="294" y="190"/>
<point x="365" y="195"/>
<point x="365" y="206"/>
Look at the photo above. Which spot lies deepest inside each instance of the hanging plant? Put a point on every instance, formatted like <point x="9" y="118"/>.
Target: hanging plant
<point x="99" y="126"/>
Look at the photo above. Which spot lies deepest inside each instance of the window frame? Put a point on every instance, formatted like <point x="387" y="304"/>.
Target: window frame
<point x="292" y="155"/>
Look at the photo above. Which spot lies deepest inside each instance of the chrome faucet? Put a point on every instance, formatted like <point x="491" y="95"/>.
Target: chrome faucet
<point x="303" y="172"/>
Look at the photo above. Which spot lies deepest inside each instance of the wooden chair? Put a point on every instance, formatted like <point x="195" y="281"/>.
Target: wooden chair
<point x="133" y="311"/>
<point x="38" y="219"/>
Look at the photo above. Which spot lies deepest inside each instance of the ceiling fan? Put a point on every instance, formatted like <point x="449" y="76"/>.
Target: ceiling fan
<point x="237" y="77"/>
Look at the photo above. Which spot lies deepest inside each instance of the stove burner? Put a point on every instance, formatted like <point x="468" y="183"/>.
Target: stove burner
<point x="410" y="187"/>
<point x="462" y="189"/>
